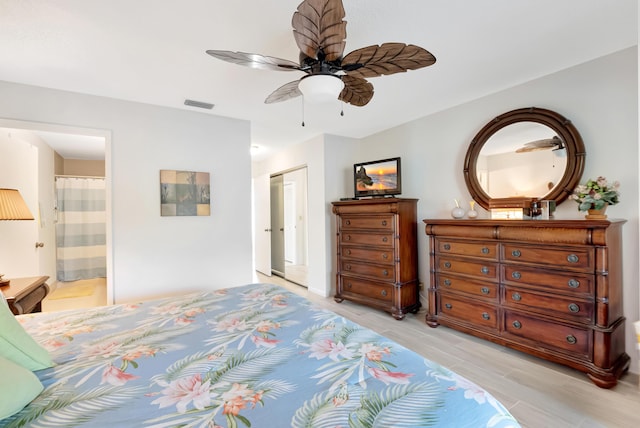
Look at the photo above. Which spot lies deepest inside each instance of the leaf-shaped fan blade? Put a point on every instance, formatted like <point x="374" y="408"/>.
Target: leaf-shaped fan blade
<point x="255" y="60"/>
<point x="388" y="58"/>
<point x="356" y="91"/>
<point x="284" y="93"/>
<point x="318" y="25"/>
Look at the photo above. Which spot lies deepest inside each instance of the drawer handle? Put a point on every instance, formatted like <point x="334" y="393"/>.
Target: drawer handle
<point x="516" y="296"/>
<point x="348" y="285"/>
<point x="516" y="253"/>
<point x="448" y="305"/>
<point x="347" y="267"/>
<point x="385" y="256"/>
<point x="384" y="222"/>
<point x="447" y="265"/>
<point x="385" y="272"/>
<point x="348" y="252"/>
<point x="574" y="308"/>
<point x="572" y="258"/>
<point x="485" y="250"/>
<point x="486" y="316"/>
<point x="516" y="275"/>
<point x="447" y="283"/>
<point x="572" y="339"/>
<point x="484" y="290"/>
<point x="385" y="239"/>
<point x="447" y="247"/>
<point x="574" y="283"/>
<point x="517" y="324"/>
<point x="348" y="238"/>
<point x="484" y="270"/>
<point x="384" y="292"/>
<point x="348" y="222"/>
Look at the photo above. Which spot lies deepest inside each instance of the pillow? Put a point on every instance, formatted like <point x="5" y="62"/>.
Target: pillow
<point x="25" y="386"/>
<point x="17" y="345"/>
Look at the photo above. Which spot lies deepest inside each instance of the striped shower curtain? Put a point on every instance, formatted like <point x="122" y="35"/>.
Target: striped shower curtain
<point x="80" y="228"/>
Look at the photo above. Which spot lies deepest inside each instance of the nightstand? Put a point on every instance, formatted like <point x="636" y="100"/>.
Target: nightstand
<point x="24" y="295"/>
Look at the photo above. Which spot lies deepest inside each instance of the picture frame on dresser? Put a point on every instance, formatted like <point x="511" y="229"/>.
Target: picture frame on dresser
<point x="550" y="288"/>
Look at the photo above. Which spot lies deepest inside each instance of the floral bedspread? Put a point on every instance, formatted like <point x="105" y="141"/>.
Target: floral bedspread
<point x="251" y="356"/>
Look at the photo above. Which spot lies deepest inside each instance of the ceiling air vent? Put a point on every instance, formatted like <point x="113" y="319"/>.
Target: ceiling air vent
<point x="198" y="104"/>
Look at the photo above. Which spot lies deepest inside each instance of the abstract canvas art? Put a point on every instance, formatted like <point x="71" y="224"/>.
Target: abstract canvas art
<point x="184" y="193"/>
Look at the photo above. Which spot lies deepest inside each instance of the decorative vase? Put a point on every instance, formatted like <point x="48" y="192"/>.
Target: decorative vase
<point x="457" y="212"/>
<point x="594" y="214"/>
<point x="472" y="213"/>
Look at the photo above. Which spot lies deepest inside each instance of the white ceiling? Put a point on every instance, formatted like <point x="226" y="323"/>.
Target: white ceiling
<point x="153" y="51"/>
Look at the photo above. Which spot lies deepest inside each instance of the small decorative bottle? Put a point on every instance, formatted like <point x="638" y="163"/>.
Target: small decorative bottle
<point x="457" y="212"/>
<point x="472" y="213"/>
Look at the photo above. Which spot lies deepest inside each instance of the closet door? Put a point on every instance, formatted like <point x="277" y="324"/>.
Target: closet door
<point x="262" y="223"/>
<point x="277" y="225"/>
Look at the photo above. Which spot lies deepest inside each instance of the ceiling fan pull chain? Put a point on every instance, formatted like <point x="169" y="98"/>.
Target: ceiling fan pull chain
<point x="303" y="111"/>
<point x="342" y="109"/>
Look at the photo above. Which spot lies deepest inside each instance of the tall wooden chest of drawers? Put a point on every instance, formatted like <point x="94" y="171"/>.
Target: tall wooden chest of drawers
<point x="551" y="288"/>
<point x="377" y="254"/>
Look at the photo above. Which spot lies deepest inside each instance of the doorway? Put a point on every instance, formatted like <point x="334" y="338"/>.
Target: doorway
<point x="62" y="140"/>
<point x="288" y="225"/>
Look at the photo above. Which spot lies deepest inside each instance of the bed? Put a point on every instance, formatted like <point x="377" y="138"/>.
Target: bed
<point x="250" y="356"/>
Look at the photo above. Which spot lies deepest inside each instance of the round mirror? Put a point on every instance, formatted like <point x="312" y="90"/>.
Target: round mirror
<point x="525" y="153"/>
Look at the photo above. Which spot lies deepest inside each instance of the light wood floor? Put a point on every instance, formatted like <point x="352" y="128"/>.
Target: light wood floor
<point x="538" y="393"/>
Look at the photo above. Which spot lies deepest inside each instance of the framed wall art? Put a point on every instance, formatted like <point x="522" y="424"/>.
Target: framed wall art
<point x="184" y="193"/>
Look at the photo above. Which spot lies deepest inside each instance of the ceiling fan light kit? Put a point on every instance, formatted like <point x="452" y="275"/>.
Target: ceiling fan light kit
<point x="319" y="30"/>
<point x="320" y="88"/>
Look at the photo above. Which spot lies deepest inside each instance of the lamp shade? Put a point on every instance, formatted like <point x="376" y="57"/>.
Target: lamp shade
<point x="317" y="88"/>
<point x="12" y="206"/>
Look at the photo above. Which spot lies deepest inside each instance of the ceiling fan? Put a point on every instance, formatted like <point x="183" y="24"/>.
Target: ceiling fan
<point x="320" y="32"/>
<point x="554" y="143"/>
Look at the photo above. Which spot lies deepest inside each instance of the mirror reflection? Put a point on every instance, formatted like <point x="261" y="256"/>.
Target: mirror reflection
<point x="528" y="153"/>
<point x="521" y="159"/>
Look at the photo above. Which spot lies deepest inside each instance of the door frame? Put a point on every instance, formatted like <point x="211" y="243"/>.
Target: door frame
<point x="93" y="132"/>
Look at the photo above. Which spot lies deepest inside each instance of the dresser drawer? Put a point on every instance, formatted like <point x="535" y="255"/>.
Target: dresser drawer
<point x="354" y="287"/>
<point x="578" y="310"/>
<point x="374" y="255"/>
<point x="363" y="238"/>
<point x="462" y="285"/>
<point x="377" y="222"/>
<point x="543" y="333"/>
<point x="468" y="310"/>
<point x="565" y="282"/>
<point x="374" y="271"/>
<point x="479" y="269"/>
<point x="473" y="249"/>
<point x="578" y="258"/>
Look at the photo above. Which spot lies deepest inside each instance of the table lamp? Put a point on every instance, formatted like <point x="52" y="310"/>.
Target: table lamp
<point x="12" y="207"/>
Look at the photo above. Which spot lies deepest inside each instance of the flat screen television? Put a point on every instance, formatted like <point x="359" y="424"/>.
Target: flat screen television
<point x="377" y="178"/>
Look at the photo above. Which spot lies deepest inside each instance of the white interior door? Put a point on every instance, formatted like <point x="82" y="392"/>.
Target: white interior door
<point x="19" y="170"/>
<point x="262" y="223"/>
<point x="290" y="241"/>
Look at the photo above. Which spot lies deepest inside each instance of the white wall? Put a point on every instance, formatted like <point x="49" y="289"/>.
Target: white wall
<point x="153" y="255"/>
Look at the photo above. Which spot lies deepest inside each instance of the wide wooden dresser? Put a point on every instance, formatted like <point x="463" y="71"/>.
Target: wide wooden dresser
<point x="377" y="254"/>
<point x="551" y="288"/>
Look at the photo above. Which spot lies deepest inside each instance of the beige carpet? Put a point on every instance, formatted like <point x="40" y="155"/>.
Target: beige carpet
<point x="72" y="291"/>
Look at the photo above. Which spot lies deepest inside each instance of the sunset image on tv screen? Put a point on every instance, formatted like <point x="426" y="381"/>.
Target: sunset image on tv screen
<point x="379" y="176"/>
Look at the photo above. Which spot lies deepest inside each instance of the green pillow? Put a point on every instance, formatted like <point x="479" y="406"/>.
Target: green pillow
<point x="25" y="386"/>
<point x="17" y="345"/>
